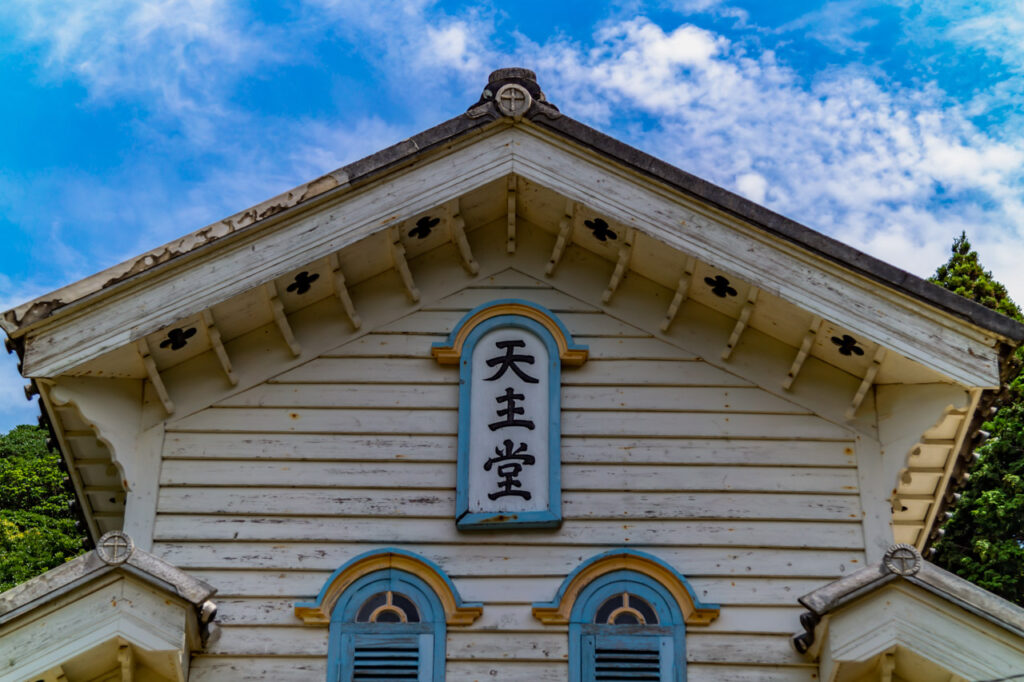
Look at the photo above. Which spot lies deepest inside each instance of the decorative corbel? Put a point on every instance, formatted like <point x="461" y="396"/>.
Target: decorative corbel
<point x="281" y="319"/>
<point x="457" y="227"/>
<point x="565" y="229"/>
<point x="682" y="289"/>
<point x="741" y="323"/>
<point x="869" y="380"/>
<point x="218" y="347"/>
<point x="510" y="215"/>
<point x="341" y="291"/>
<point x="402" y="265"/>
<point x="621" y="265"/>
<point x="154" y="375"/>
<point x="805" y="350"/>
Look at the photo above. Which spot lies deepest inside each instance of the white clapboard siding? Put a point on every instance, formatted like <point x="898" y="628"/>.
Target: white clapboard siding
<point x="577" y="398"/>
<point x="574" y="423"/>
<point x="818" y="535"/>
<point x="610" y="449"/>
<point x="509" y="560"/>
<point x="752" y="497"/>
<point x="576" y="505"/>
<point x="512" y="617"/>
<point x="319" y="474"/>
<point x="598" y="347"/>
<point x="303" y="669"/>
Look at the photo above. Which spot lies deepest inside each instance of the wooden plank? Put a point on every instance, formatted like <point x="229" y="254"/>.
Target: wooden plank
<point x="443" y="321"/>
<point x="624" y="506"/>
<point x="305" y="585"/>
<point x="509" y="560"/>
<point x="199" y="445"/>
<point x="552" y="299"/>
<point x="652" y="398"/>
<point x="824" y="535"/>
<point x="320" y="474"/>
<point x="444" y="422"/>
<point x="599" y="347"/>
<point x="509" y="618"/>
<point x="427" y="371"/>
<point x="205" y="668"/>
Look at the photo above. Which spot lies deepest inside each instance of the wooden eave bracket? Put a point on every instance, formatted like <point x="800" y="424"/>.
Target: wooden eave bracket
<point x="457" y="227"/>
<point x="741" y="322"/>
<point x="341" y="291"/>
<point x="510" y="215"/>
<point x="621" y="265"/>
<point x="402" y="265"/>
<point x="869" y="380"/>
<point x="566" y="226"/>
<point x="281" y="319"/>
<point x="682" y="289"/>
<point x="126" y="657"/>
<point x="805" y="349"/>
<point x="218" y="346"/>
<point x="154" y="375"/>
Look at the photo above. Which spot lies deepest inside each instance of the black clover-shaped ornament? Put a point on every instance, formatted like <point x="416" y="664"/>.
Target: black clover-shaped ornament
<point x="720" y="286"/>
<point x="847" y="345"/>
<point x="600" y="229"/>
<point x="423" y="227"/>
<point x="303" y="281"/>
<point x="178" y="338"/>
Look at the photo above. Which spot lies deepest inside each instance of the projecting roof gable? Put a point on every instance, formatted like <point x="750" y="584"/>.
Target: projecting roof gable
<point x="539" y="146"/>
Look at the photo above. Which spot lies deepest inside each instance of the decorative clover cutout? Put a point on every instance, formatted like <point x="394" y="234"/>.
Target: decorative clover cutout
<point x="720" y="286"/>
<point x="847" y="345"/>
<point x="303" y="281"/>
<point x="600" y="229"/>
<point x="423" y="227"/>
<point x="178" y="338"/>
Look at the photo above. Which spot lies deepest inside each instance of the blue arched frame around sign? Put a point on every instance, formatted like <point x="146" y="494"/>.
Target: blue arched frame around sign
<point x="552" y="516"/>
<point x="467" y="520"/>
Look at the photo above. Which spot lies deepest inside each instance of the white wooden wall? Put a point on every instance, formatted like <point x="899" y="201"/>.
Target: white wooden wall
<point x="748" y="495"/>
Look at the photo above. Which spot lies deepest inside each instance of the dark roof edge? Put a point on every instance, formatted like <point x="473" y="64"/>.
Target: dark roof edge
<point x="919" y="572"/>
<point x="90" y="566"/>
<point x="783" y="227"/>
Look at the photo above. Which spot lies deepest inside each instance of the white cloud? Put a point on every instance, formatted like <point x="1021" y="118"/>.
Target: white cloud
<point x="179" y="54"/>
<point x="895" y="171"/>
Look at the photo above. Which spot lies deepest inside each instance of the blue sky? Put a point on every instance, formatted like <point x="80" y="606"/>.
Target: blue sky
<point x="125" y="124"/>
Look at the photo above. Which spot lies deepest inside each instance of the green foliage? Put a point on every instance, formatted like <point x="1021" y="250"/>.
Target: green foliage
<point x="984" y="538"/>
<point x="962" y="274"/>
<point x="37" y="528"/>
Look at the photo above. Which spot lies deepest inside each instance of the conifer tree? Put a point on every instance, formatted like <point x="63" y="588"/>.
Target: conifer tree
<point x="984" y="538"/>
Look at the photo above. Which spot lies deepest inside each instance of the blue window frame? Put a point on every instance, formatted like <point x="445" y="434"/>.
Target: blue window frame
<point x="625" y="625"/>
<point x="388" y="625"/>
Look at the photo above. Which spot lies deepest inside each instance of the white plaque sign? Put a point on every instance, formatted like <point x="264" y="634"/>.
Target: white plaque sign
<point x="510" y="356"/>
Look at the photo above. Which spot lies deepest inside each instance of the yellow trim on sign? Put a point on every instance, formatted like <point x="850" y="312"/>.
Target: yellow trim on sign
<point x="450" y="355"/>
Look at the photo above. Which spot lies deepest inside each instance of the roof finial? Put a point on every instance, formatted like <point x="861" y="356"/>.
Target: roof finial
<point x="513" y="91"/>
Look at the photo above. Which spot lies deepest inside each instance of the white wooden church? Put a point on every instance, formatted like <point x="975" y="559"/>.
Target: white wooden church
<point x="509" y="400"/>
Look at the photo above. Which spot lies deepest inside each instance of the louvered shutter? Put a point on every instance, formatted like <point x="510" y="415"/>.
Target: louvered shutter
<point x="385" y="657"/>
<point x="627" y="658"/>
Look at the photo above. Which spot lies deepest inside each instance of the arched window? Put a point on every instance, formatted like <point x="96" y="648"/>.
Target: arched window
<point x="388" y="625"/>
<point x="626" y="626"/>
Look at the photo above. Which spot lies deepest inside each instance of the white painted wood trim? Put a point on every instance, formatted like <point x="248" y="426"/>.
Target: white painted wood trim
<point x="741" y="323"/>
<point x="213" y="334"/>
<point x="565" y="229"/>
<point x="805" y="350"/>
<point x="457" y="227"/>
<point x="341" y="291"/>
<point x="154" y="375"/>
<point x="281" y="319"/>
<point x="682" y="288"/>
<point x="400" y="264"/>
<point x="621" y="266"/>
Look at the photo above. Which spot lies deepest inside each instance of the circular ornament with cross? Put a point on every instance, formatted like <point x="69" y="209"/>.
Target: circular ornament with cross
<point x="903" y="560"/>
<point x="513" y="100"/>
<point x="114" y="547"/>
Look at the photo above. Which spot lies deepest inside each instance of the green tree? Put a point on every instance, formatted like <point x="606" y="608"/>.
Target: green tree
<point x="984" y="538"/>
<point x="37" y="527"/>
